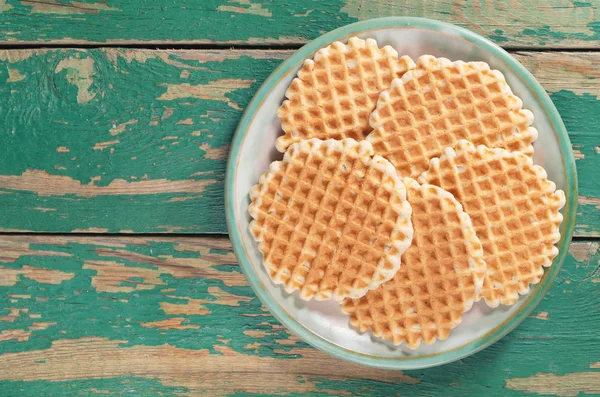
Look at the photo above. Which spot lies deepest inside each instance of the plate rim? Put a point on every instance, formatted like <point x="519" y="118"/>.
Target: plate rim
<point x="531" y="300"/>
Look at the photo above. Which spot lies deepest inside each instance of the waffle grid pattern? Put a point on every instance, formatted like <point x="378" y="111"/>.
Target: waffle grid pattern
<point x="334" y="94"/>
<point x="440" y="102"/>
<point x="330" y="220"/>
<point x="441" y="274"/>
<point x="515" y="211"/>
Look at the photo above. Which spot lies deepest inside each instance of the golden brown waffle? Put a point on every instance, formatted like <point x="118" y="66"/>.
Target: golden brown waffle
<point x="440" y="102"/>
<point x="441" y="274"/>
<point x="515" y="211"/>
<point x="331" y="220"/>
<point x="334" y="94"/>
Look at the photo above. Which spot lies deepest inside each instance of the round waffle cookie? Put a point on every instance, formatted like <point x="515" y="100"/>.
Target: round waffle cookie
<point x="515" y="211"/>
<point x="331" y="220"/>
<point x="440" y="102"/>
<point x="334" y="94"/>
<point x="441" y="273"/>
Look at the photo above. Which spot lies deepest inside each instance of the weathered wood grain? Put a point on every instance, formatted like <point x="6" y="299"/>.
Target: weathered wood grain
<point x="122" y="140"/>
<point x="165" y="316"/>
<point x="556" y="24"/>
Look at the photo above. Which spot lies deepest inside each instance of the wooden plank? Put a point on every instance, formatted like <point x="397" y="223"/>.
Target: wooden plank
<point x="166" y="316"/>
<point x="118" y="140"/>
<point x="555" y="24"/>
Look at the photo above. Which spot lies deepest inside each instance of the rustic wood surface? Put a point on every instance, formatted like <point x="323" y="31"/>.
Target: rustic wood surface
<point x="94" y="140"/>
<point x="175" y="316"/>
<point x="511" y="23"/>
<point x="99" y="143"/>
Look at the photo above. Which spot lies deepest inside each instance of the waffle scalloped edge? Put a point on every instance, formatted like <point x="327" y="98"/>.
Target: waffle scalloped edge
<point x="403" y="64"/>
<point x="403" y="223"/>
<point x="549" y="187"/>
<point x="475" y="262"/>
<point x="427" y="63"/>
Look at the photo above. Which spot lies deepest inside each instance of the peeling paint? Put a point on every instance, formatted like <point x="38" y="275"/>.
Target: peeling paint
<point x="14" y="75"/>
<point x="72" y="8"/>
<point x="583" y="252"/>
<point x="18" y="334"/>
<point x="542" y="316"/>
<point x="219" y="153"/>
<point x="578" y="155"/>
<point x="197" y="306"/>
<point x="10" y="276"/>
<point x="45" y="184"/>
<point x="201" y="372"/>
<point x="170" y="323"/>
<point x="80" y="72"/>
<point x="91" y="230"/>
<point x="185" y="267"/>
<point x="5" y="7"/>
<point x="254" y="8"/>
<point x="104" y="145"/>
<point x="112" y="276"/>
<point x="188" y="121"/>
<point x="595" y="201"/>
<point x="117" y="129"/>
<point x="569" y="385"/>
<point x="214" y="91"/>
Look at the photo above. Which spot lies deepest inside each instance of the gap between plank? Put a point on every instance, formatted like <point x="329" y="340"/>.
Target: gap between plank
<point x="235" y="46"/>
<point x="177" y="235"/>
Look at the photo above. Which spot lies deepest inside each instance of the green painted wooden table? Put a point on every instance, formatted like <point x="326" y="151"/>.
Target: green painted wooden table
<point x="116" y="273"/>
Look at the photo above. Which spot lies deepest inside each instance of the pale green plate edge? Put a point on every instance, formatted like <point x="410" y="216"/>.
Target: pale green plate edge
<point x="532" y="299"/>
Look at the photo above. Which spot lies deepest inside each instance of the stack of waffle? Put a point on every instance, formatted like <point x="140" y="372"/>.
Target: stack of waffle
<point x="407" y="192"/>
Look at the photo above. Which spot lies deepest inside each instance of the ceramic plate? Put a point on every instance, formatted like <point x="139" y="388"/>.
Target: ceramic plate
<point x="322" y="324"/>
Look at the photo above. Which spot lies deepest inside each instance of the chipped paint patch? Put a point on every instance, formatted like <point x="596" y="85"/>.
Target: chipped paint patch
<point x="18" y="334"/>
<point x="219" y="153"/>
<point x="14" y="75"/>
<point x="253" y="8"/>
<point x="44" y="184"/>
<point x="191" y="307"/>
<point x="203" y="267"/>
<point x="12" y="250"/>
<point x="179" y="199"/>
<point x="569" y="385"/>
<point x="72" y="8"/>
<point x="117" y="129"/>
<point x="578" y="155"/>
<point x="198" y="371"/>
<point x="63" y="149"/>
<point x="225" y="298"/>
<point x="253" y="333"/>
<point x="170" y="323"/>
<point x="80" y="72"/>
<point x="129" y="55"/>
<point x="196" y="306"/>
<point x="213" y="91"/>
<point x="91" y="230"/>
<point x="4" y="6"/>
<point x="542" y="316"/>
<point x="583" y="252"/>
<point x="17" y="56"/>
<point x="14" y="313"/>
<point x="10" y="276"/>
<point x="104" y="145"/>
<point x="595" y="365"/>
<point x="595" y="201"/>
<point x="39" y="326"/>
<point x="112" y="276"/>
<point x="188" y="121"/>
<point x="44" y="209"/>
